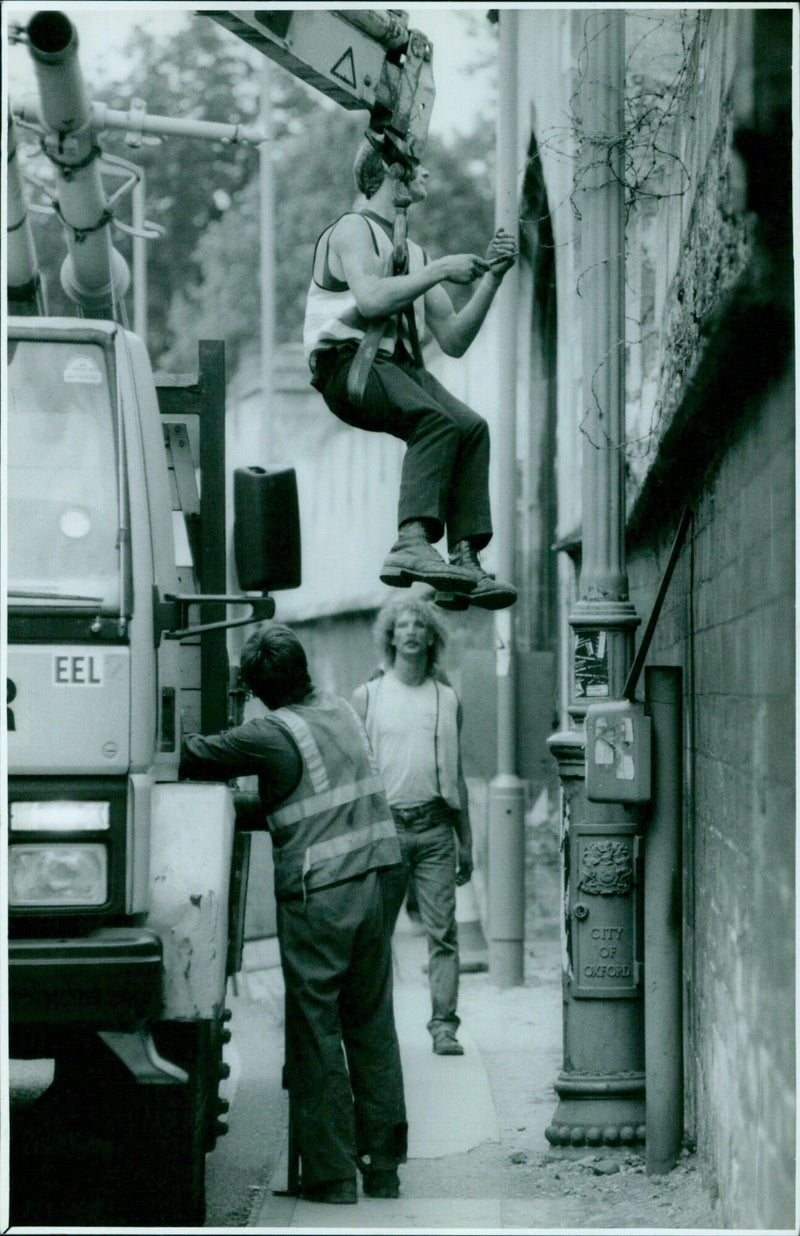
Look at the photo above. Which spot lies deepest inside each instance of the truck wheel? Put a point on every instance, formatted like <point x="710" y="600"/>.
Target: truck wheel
<point x="143" y="1146"/>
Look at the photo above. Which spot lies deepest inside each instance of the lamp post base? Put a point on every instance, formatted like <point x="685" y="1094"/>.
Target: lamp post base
<point x="587" y="1117"/>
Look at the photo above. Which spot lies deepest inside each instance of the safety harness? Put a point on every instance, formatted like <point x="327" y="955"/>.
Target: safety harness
<point x="368" y="347"/>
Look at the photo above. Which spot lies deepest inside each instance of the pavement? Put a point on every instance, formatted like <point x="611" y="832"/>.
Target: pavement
<point x="464" y="1112"/>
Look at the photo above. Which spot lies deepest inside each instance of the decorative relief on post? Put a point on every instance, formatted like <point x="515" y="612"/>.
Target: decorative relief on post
<point x="607" y="869"/>
<point x="603" y="913"/>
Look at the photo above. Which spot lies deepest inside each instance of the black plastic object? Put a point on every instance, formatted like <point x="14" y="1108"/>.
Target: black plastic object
<point x="266" y="529"/>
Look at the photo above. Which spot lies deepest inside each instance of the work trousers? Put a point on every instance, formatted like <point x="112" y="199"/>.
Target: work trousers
<point x="344" y="1073"/>
<point x="428" y="847"/>
<point x="445" y="476"/>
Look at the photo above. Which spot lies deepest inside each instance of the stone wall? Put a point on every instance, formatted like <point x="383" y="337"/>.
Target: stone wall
<point x="729" y="621"/>
<point x="727" y="453"/>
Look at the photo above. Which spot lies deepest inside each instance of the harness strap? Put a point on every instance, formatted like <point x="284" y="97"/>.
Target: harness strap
<point x="362" y="361"/>
<point x="367" y="349"/>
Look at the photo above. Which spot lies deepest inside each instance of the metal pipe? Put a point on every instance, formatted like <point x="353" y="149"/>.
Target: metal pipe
<point x="139" y="258"/>
<point x="94" y="275"/>
<point x="663" y="1021"/>
<point x="23" y="278"/>
<point x="264" y="442"/>
<point x="601" y="178"/>
<point x="507" y="791"/>
<point x="137" y="121"/>
<point x="603" y="1014"/>
<point x="53" y="45"/>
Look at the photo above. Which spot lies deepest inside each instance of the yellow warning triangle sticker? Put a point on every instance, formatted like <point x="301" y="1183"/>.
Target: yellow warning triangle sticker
<point x="345" y="68"/>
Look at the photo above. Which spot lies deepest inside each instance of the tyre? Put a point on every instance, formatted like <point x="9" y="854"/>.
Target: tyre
<point x="100" y="1149"/>
<point x="175" y="1123"/>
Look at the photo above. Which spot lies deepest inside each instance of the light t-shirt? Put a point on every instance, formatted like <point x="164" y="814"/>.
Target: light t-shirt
<point x="405" y="746"/>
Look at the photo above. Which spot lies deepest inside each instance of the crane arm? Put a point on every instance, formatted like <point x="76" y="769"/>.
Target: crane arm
<point x="363" y="59"/>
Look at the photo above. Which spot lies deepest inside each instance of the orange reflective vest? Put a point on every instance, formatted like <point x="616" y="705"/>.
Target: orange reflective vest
<point x="336" y="824"/>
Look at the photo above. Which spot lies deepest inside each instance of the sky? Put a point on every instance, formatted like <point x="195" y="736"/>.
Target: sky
<point x="462" y="93"/>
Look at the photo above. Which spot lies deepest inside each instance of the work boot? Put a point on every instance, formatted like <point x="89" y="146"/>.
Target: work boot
<point x="445" y="1043"/>
<point x="381" y="1182"/>
<point x="332" y="1192"/>
<point x="488" y="592"/>
<point x="413" y="559"/>
<point x="452" y="601"/>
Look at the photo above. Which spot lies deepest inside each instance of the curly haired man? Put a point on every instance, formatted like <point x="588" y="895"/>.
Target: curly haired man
<point x="413" y="719"/>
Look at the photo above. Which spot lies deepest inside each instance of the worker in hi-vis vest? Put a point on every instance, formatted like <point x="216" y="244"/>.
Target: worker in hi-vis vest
<point x="332" y="837"/>
<point x="363" y="325"/>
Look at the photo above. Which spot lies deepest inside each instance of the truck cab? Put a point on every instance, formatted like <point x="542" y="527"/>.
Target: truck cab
<point x="126" y="886"/>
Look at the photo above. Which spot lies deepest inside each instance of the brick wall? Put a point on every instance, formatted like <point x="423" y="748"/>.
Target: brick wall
<point x="729" y="620"/>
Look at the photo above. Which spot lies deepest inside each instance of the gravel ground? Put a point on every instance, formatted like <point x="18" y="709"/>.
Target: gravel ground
<point x="519" y="1034"/>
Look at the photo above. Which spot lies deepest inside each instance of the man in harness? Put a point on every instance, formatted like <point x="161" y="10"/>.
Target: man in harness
<point x="332" y="837"/>
<point x="368" y="305"/>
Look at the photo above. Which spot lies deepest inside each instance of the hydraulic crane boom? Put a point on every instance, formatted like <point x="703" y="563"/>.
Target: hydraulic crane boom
<point x="361" y="58"/>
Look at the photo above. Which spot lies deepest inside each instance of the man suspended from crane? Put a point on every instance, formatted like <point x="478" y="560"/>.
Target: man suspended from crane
<point x="372" y="292"/>
<point x="367" y="309"/>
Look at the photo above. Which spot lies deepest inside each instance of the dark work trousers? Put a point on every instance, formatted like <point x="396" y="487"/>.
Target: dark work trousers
<point x="445" y="478"/>
<point x="337" y="968"/>
<point x="428" y="847"/>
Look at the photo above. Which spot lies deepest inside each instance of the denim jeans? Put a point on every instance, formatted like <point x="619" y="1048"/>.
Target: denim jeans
<point x="428" y="849"/>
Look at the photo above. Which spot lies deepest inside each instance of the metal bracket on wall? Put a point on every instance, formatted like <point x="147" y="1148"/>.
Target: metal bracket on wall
<point x="629" y="690"/>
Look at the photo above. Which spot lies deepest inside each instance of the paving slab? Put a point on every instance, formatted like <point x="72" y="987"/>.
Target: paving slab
<point x="448" y="1098"/>
<point x="450" y="1111"/>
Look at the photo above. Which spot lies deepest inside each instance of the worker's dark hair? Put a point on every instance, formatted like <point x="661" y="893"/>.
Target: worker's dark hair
<point x="273" y="666"/>
<point x="369" y="169"/>
<point x="384" y="630"/>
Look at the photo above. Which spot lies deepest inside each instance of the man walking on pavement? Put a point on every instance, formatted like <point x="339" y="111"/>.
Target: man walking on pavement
<point x="413" y="720"/>
<point x="357" y="301"/>
<point x="332" y="837"/>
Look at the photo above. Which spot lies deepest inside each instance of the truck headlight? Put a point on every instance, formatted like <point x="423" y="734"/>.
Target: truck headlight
<point x="59" y="816"/>
<point x="57" y="875"/>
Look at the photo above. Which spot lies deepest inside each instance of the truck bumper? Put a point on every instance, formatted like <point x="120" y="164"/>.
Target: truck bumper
<point x="106" y="980"/>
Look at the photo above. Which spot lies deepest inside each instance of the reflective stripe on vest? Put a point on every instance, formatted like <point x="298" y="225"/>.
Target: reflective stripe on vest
<point x="328" y="800"/>
<point x="312" y="757"/>
<point x="345" y="843"/>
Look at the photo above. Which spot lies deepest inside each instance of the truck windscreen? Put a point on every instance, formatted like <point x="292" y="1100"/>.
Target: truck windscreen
<point x="63" y="503"/>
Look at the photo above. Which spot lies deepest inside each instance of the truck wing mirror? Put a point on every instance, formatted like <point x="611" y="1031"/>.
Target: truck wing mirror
<point x="266" y="529"/>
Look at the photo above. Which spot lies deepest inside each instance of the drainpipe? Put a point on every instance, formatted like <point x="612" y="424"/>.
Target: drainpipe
<point x="507" y="791"/>
<point x="601" y="1085"/>
<point x="663" y="1022"/>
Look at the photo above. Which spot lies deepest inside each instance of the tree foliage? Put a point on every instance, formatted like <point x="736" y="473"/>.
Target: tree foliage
<point x="203" y="274"/>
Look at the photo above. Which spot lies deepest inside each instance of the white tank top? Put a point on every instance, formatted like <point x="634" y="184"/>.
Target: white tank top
<point x="332" y="315"/>
<point x="414" y="734"/>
